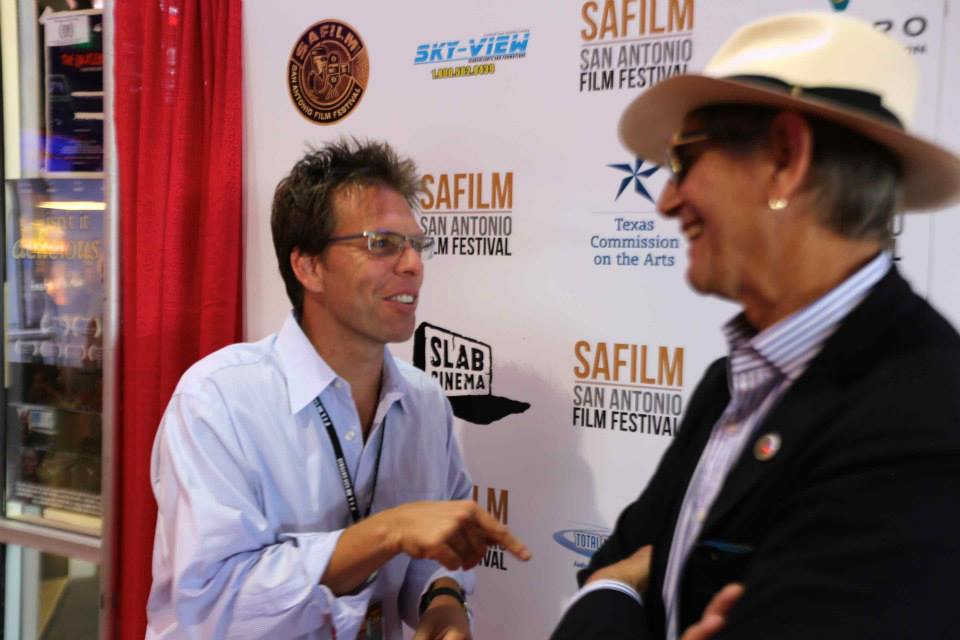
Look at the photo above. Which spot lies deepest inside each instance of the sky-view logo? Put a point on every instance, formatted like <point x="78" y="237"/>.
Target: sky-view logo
<point x="636" y="174"/>
<point x="489" y="46"/>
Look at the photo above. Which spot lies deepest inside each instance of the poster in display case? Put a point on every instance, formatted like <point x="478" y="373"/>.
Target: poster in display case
<point x="74" y="92"/>
<point x="54" y="351"/>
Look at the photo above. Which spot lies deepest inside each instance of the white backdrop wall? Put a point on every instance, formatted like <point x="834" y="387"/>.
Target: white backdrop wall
<point x="581" y="354"/>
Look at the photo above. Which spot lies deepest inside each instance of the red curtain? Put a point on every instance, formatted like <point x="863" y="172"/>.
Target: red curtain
<point x="179" y="142"/>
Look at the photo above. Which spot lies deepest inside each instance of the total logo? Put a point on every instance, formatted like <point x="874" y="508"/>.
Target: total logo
<point x="583" y="542"/>
<point x="839" y="5"/>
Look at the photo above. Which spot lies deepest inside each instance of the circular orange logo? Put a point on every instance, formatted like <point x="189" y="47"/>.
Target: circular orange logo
<point x="328" y="71"/>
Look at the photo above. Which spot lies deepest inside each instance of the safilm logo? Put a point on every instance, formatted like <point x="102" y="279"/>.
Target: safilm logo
<point x="464" y="368"/>
<point x="328" y="72"/>
<point x="583" y="542"/>
<point x="627" y="389"/>
<point x="469" y="213"/>
<point x="469" y="57"/>
<point x="497" y="505"/>
<point x="634" y="44"/>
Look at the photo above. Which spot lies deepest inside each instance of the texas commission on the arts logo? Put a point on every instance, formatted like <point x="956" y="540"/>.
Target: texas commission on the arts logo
<point x="328" y="71"/>
<point x="466" y="57"/>
<point x="464" y="368"/>
<point x="627" y="389"/>
<point x="634" y="44"/>
<point x="625" y="231"/>
<point x="469" y="213"/>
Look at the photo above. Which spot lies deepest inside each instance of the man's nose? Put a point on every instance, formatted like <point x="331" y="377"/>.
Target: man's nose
<point x="668" y="204"/>
<point x="409" y="261"/>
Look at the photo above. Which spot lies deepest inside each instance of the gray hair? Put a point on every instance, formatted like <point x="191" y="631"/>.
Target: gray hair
<point x="856" y="182"/>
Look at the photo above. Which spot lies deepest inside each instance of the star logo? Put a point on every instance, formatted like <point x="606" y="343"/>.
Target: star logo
<point x="637" y="175"/>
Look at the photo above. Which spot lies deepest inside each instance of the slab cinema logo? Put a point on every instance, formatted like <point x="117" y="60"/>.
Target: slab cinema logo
<point x="497" y="503"/>
<point x="627" y="389"/>
<point x="464" y="368"/>
<point x="634" y="237"/>
<point x="469" y="213"/>
<point x="633" y="44"/>
<point x="474" y="56"/>
<point x="328" y="72"/>
<point x="583" y="542"/>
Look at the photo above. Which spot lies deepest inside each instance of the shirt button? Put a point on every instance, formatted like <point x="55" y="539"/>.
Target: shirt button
<point x="351" y="435"/>
<point x="338" y="384"/>
<point x="701" y="515"/>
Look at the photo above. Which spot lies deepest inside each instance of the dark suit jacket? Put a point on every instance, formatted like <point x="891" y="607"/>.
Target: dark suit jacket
<point x="852" y="530"/>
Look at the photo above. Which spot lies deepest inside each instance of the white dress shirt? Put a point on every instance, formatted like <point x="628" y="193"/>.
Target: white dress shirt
<point x="250" y="503"/>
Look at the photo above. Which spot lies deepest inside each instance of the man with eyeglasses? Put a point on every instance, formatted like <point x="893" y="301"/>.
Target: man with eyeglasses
<point x="309" y="485"/>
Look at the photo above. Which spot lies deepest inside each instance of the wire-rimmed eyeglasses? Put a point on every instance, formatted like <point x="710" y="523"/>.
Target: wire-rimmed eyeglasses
<point x="391" y="243"/>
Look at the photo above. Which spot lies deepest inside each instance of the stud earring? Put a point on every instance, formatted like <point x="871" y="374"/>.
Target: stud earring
<point x="777" y="204"/>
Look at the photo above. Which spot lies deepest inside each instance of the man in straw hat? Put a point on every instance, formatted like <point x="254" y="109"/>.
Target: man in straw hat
<point x="819" y="464"/>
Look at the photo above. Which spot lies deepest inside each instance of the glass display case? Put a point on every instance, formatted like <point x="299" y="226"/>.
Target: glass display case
<point x="53" y="348"/>
<point x="54" y="351"/>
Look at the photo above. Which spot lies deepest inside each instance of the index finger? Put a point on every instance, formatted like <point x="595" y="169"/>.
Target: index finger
<point x="498" y="533"/>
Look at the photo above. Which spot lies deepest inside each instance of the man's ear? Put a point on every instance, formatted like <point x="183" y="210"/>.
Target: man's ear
<point x="791" y="143"/>
<point x="308" y="269"/>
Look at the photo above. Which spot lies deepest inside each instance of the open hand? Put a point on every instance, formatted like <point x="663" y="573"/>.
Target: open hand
<point x="715" y="615"/>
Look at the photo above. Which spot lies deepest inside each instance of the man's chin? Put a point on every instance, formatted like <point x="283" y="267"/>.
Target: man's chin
<point x="401" y="334"/>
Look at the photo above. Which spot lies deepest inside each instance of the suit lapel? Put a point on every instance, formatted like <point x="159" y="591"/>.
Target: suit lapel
<point x="808" y="403"/>
<point x="801" y="410"/>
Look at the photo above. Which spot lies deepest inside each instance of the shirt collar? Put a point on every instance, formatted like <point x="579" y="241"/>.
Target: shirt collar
<point x="308" y="374"/>
<point x="790" y="344"/>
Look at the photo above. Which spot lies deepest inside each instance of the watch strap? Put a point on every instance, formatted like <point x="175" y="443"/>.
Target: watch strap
<point x="441" y="591"/>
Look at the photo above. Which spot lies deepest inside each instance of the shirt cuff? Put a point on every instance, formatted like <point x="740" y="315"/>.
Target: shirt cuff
<point x="344" y="613"/>
<point x="597" y="585"/>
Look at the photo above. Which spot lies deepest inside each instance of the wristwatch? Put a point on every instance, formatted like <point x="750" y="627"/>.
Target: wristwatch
<point x="433" y="592"/>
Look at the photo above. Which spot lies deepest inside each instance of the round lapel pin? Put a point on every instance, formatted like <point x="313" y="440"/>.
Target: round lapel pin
<point x="766" y="446"/>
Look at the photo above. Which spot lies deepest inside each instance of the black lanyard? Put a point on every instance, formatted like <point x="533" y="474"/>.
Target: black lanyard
<point x="348" y="489"/>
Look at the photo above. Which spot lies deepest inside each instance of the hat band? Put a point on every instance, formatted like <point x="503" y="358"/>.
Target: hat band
<point x="861" y="100"/>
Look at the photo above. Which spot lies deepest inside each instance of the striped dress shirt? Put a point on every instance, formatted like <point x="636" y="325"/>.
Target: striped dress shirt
<point x="760" y="369"/>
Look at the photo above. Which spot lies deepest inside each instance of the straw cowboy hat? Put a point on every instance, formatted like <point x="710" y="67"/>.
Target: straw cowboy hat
<point x="827" y="65"/>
